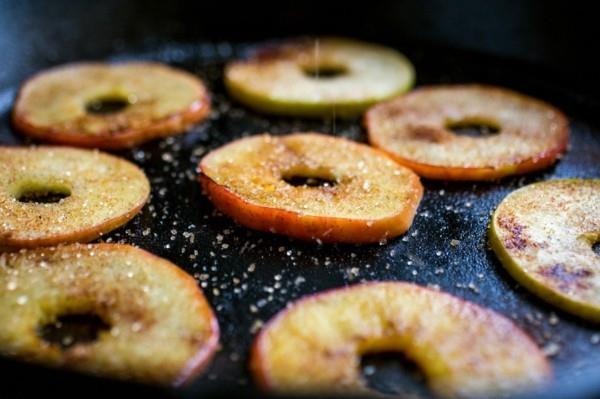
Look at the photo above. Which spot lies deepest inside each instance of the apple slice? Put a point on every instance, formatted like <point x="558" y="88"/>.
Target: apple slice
<point x="543" y="234"/>
<point x="109" y="105"/>
<point x="319" y="77"/>
<point x="312" y="187"/>
<point x="416" y="130"/>
<point x="54" y="195"/>
<point x="315" y="345"/>
<point x="151" y="323"/>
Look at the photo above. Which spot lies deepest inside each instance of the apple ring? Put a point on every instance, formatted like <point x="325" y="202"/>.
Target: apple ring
<point x="543" y="234"/>
<point x="416" y="130"/>
<point x="109" y="105"/>
<point x="157" y="326"/>
<point x="52" y="195"/>
<point x="319" y="78"/>
<point x="463" y="350"/>
<point x="312" y="187"/>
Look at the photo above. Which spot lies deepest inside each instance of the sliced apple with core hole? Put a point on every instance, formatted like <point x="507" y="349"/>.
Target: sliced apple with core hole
<point x="463" y="350"/>
<point x="109" y="105"/>
<point x="312" y="187"/>
<point x="322" y="77"/>
<point x="132" y="315"/>
<point x="54" y="195"/>
<point x="424" y="130"/>
<point x="544" y="235"/>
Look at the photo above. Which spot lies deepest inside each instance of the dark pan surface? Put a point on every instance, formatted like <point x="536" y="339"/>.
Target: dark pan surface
<point x="249" y="276"/>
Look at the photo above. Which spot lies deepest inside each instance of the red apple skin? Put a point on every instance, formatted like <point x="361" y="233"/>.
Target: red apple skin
<point x="543" y="161"/>
<point x="310" y="228"/>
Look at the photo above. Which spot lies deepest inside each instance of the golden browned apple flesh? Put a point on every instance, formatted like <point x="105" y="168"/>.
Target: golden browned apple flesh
<point x="543" y="234"/>
<point x="109" y="105"/>
<point x="418" y="130"/>
<point x="315" y="345"/>
<point x="53" y="195"/>
<point x="312" y="187"/>
<point x="157" y="326"/>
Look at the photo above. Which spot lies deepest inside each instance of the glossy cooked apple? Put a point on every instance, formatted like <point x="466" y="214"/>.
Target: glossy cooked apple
<point x="543" y="234"/>
<point x="312" y="187"/>
<point x="109" y="105"/>
<point x="315" y="345"/>
<point x="417" y="130"/>
<point x="157" y="327"/>
<point x="53" y="195"/>
<point x="322" y="77"/>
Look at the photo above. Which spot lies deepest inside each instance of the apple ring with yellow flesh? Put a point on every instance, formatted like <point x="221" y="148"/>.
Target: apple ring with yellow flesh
<point x="463" y="350"/>
<point x="543" y="234"/>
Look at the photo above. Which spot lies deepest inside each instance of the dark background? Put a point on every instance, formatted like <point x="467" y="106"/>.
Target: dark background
<point x="540" y="47"/>
<point x="561" y="35"/>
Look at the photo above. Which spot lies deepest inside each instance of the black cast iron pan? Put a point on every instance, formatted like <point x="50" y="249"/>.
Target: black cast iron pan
<point x="249" y="276"/>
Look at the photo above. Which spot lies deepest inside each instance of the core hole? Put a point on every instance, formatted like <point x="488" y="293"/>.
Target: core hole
<point x="42" y="195"/>
<point x="106" y="105"/>
<point x="324" y="71"/>
<point x="72" y="329"/>
<point x="473" y="128"/>
<point x="392" y="373"/>
<point x="596" y="248"/>
<point x="309" y="181"/>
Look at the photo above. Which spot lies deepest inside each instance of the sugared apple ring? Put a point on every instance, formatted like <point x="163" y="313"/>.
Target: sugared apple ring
<point x="109" y="105"/>
<point x="320" y="78"/>
<point x="544" y="232"/>
<point x="416" y="130"/>
<point x="52" y="195"/>
<point x="463" y="350"/>
<point x="156" y="324"/>
<point x="365" y="196"/>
